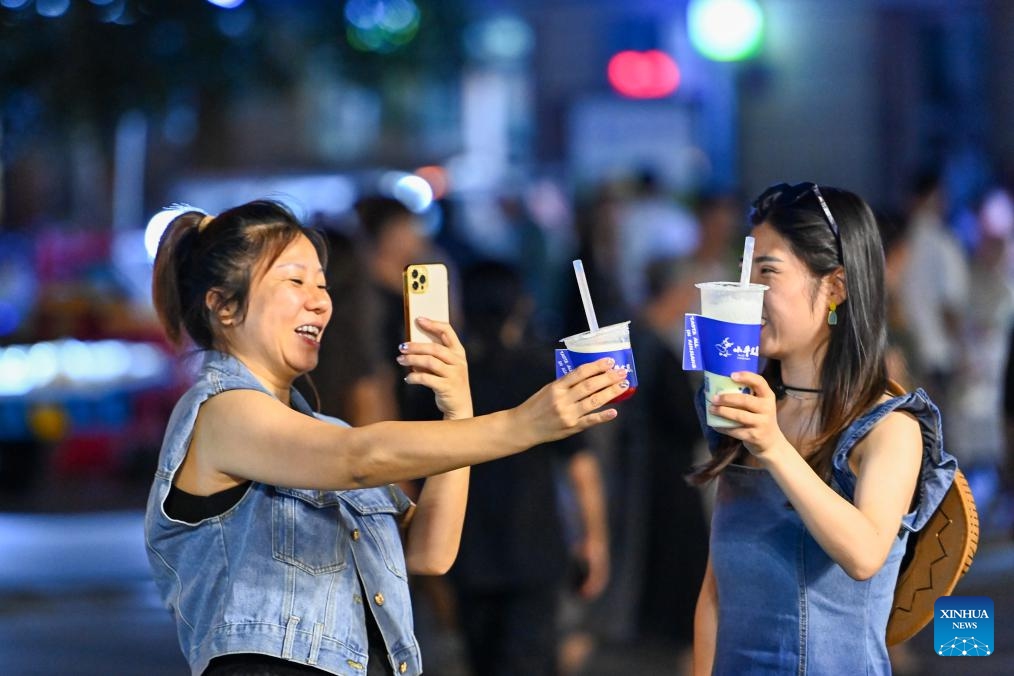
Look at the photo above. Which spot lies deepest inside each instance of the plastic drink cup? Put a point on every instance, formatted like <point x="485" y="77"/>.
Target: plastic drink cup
<point x="728" y="302"/>
<point x="607" y="341"/>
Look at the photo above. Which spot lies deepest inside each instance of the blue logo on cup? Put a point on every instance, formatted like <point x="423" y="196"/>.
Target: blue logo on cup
<point x="963" y="626"/>
<point x="719" y="347"/>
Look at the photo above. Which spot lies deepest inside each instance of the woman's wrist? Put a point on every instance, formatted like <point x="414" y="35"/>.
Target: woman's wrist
<point x="460" y="414"/>
<point x="775" y="454"/>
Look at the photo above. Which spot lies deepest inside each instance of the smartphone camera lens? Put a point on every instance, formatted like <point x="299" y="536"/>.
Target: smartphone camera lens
<point x="422" y="279"/>
<point x="415" y="273"/>
<point x="415" y="286"/>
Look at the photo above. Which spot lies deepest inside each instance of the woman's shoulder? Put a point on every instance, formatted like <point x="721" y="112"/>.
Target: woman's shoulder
<point x="895" y="406"/>
<point x="896" y="416"/>
<point x="897" y="429"/>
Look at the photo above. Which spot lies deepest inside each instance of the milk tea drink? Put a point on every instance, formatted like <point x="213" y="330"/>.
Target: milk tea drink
<point x="607" y="341"/>
<point x="731" y="342"/>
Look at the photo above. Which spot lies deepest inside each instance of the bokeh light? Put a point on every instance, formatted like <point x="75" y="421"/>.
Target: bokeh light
<point x="381" y="25"/>
<point x="52" y="8"/>
<point x="502" y="38"/>
<point x="725" y="30"/>
<point x="227" y="4"/>
<point x="411" y="190"/>
<point x="436" y="176"/>
<point x="70" y="364"/>
<point x="643" y="75"/>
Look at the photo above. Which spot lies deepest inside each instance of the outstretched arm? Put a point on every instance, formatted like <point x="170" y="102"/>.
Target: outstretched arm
<point x="858" y="536"/>
<point x="251" y="435"/>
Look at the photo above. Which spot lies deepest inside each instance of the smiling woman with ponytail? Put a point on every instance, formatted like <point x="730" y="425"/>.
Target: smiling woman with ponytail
<point x="275" y="533"/>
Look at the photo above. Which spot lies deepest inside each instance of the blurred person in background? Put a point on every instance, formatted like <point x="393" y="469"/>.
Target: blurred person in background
<point x="934" y="288"/>
<point x="651" y="224"/>
<point x="719" y="219"/>
<point x="1007" y="467"/>
<point x="513" y="565"/>
<point x="975" y="417"/>
<point x="598" y="246"/>
<point x="893" y="234"/>
<point x="393" y="238"/>
<point x="832" y="466"/>
<point x="661" y="424"/>
<point x="352" y="381"/>
<point x="275" y="533"/>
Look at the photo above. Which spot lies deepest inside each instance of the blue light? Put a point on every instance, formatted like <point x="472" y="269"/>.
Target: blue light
<point x="414" y="192"/>
<point x="725" y="30"/>
<point x="69" y="365"/>
<point x="10" y="318"/>
<point x="226" y="4"/>
<point x="52" y="8"/>
<point x="381" y="25"/>
<point x="15" y="373"/>
<point x="502" y="38"/>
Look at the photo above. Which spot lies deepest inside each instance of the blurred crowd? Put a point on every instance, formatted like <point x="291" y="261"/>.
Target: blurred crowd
<point x="600" y="539"/>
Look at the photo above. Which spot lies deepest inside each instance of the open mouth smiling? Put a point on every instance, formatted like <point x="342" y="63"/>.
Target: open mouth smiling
<point x="310" y="332"/>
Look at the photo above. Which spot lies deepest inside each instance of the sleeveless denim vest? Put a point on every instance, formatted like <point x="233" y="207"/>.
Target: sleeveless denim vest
<point x="282" y="572"/>
<point x="784" y="607"/>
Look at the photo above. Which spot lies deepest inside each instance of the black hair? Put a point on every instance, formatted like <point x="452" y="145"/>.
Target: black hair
<point x="853" y="375"/>
<point x="199" y="253"/>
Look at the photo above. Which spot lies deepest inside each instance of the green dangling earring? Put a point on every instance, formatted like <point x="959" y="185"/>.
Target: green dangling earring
<point x="832" y="316"/>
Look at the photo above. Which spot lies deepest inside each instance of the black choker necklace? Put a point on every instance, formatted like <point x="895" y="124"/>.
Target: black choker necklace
<point x="781" y="389"/>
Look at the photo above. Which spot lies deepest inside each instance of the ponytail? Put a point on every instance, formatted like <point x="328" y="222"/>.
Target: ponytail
<point x="199" y="253"/>
<point x="172" y="286"/>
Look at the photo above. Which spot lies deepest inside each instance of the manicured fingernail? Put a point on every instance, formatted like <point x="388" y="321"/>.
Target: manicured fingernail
<point x="610" y="362"/>
<point x="625" y="384"/>
<point x="401" y="359"/>
<point x="403" y="347"/>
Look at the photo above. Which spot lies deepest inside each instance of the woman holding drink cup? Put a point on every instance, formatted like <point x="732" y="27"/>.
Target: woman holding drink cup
<point x="275" y="533"/>
<point x="828" y="466"/>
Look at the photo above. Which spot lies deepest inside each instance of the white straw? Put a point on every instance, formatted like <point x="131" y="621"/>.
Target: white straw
<point x="582" y="285"/>
<point x="744" y="275"/>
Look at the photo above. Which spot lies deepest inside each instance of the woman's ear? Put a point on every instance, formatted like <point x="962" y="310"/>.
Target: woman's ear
<point x="837" y="290"/>
<point x="224" y="312"/>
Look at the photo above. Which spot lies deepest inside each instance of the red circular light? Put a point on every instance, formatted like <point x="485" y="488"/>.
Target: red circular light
<point x="644" y="75"/>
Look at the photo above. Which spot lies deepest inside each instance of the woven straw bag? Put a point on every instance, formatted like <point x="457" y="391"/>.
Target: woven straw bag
<point x="935" y="560"/>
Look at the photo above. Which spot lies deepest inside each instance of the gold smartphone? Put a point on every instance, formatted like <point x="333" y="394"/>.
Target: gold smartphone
<point x="426" y="295"/>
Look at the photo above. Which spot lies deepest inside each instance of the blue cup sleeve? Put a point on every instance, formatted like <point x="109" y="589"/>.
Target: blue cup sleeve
<point x="719" y="347"/>
<point x="567" y="361"/>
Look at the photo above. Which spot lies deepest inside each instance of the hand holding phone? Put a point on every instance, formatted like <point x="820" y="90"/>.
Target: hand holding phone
<point x="425" y="295"/>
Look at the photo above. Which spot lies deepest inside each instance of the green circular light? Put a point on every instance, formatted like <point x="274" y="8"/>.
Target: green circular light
<point x="725" y="30"/>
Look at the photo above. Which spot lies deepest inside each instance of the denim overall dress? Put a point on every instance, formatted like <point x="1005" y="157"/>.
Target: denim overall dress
<point x="784" y="607"/>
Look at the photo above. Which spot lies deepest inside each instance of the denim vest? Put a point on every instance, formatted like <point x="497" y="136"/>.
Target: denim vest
<point x="279" y="573"/>
<point x="784" y="607"/>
